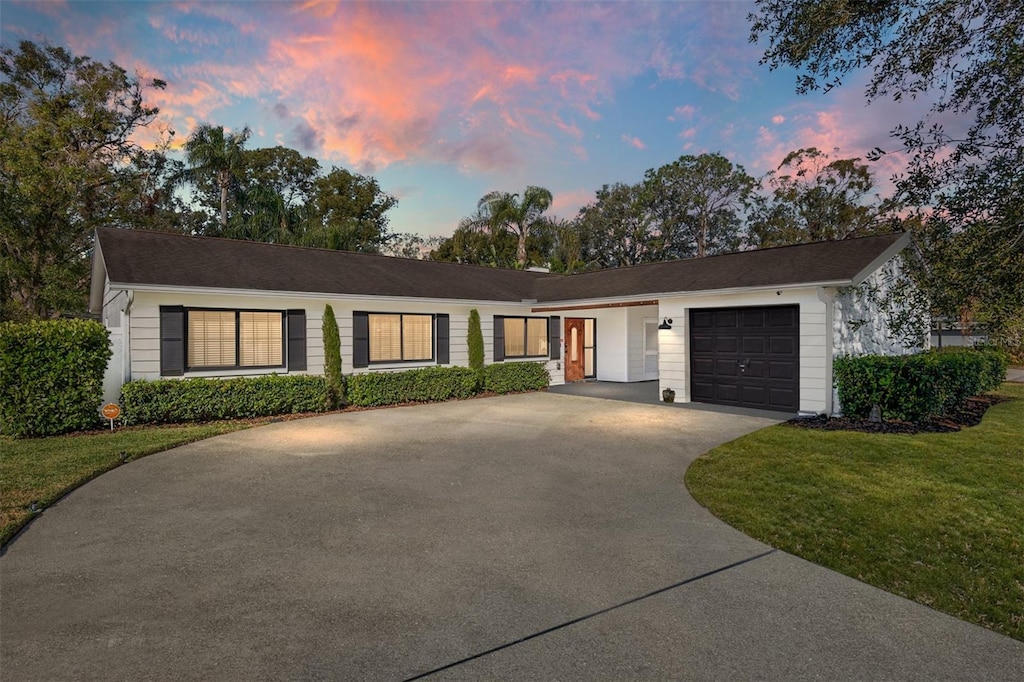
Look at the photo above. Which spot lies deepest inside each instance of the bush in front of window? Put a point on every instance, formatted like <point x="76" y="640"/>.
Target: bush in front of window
<point x="51" y="376"/>
<point x="514" y="377"/>
<point x="332" y="358"/>
<point x="172" y="401"/>
<point x="423" y="385"/>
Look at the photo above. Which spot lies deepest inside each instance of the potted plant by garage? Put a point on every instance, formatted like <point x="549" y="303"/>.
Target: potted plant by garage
<point x="668" y="395"/>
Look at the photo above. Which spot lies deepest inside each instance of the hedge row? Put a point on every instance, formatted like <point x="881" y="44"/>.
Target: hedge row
<point x="51" y="376"/>
<point x="427" y="384"/>
<point x="513" y="377"/>
<point x="915" y="387"/>
<point x="167" y="401"/>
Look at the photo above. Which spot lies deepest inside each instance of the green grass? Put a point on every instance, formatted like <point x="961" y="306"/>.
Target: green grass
<point x="45" y="469"/>
<point x="937" y="518"/>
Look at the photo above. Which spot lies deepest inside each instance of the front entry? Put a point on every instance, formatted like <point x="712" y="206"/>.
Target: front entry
<point x="575" y="364"/>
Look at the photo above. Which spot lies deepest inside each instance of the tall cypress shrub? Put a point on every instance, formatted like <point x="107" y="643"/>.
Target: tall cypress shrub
<point x="475" y="341"/>
<point x="332" y="358"/>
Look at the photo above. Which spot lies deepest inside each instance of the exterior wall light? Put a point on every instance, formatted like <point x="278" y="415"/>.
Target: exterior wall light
<point x="666" y="323"/>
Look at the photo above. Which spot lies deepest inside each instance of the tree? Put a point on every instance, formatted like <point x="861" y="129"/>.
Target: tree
<point x="620" y="227"/>
<point x="67" y="125"/>
<point x="475" y="341"/>
<point x="348" y="213"/>
<point x="332" y="357"/>
<point x="698" y="202"/>
<point x="515" y="214"/>
<point x="216" y="157"/>
<point x="816" y="198"/>
<point x="966" y="154"/>
<point x="474" y="244"/>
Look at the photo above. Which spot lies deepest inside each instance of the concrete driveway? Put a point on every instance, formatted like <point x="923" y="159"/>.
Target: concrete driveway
<point x="510" y="538"/>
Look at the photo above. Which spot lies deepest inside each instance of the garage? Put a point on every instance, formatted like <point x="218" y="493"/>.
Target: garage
<point x="746" y="357"/>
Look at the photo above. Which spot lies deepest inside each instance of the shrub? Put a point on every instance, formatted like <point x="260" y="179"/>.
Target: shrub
<point x="332" y="357"/>
<point x="427" y="384"/>
<point x="915" y="387"/>
<point x="199" y="400"/>
<point x="512" y="377"/>
<point x="51" y="376"/>
<point x="475" y="341"/>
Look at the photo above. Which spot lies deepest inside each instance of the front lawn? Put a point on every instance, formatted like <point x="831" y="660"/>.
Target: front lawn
<point x="937" y="518"/>
<point x="45" y="469"/>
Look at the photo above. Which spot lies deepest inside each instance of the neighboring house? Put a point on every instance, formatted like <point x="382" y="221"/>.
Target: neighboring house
<point x="754" y="329"/>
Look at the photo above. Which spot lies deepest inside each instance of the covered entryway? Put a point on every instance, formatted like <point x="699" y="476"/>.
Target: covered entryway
<point x="746" y="357"/>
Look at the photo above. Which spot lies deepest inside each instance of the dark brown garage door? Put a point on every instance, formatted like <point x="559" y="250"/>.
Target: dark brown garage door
<point x="748" y="357"/>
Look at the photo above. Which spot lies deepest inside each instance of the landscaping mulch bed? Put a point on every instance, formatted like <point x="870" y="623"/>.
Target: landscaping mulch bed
<point x="969" y="414"/>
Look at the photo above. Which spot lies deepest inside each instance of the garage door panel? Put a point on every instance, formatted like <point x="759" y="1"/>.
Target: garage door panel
<point x="786" y="371"/>
<point x="753" y="344"/>
<point x="746" y="356"/>
<point x="782" y="345"/>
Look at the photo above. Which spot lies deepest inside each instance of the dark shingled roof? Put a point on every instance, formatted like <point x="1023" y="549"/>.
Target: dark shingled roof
<point x="839" y="261"/>
<point x="138" y="257"/>
<point x="143" y="257"/>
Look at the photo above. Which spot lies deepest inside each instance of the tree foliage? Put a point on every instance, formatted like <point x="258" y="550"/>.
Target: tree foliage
<point x="475" y="341"/>
<point x="966" y="154"/>
<point x="66" y="152"/>
<point x="815" y="197"/>
<point x="698" y="202"/>
<point x="332" y="357"/>
<point x="518" y="215"/>
<point x="348" y="212"/>
<point x="216" y="160"/>
<point x="620" y="227"/>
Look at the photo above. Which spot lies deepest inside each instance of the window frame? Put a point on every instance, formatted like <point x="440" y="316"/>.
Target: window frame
<point x="526" y="339"/>
<point x="401" y="339"/>
<point x="238" y="340"/>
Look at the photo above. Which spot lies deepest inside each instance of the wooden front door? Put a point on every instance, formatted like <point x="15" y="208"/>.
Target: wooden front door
<point x="575" y="364"/>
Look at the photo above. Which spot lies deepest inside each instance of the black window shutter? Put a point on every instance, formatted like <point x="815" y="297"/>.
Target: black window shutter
<point x="443" y="338"/>
<point x="499" y="338"/>
<point x="360" y="340"/>
<point x="554" y="337"/>
<point x="172" y="341"/>
<point x="296" y="340"/>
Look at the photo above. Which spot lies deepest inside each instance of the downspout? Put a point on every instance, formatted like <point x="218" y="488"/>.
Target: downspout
<point x="828" y="297"/>
<point x="126" y="353"/>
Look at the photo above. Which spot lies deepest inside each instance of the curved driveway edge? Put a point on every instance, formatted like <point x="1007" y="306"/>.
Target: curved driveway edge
<point x="390" y="543"/>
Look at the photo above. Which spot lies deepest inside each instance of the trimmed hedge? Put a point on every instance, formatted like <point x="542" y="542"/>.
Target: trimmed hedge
<point x="168" y="401"/>
<point x="915" y="387"/>
<point x="513" y="377"/>
<point x="427" y="384"/>
<point x="51" y="376"/>
<point x="332" y="357"/>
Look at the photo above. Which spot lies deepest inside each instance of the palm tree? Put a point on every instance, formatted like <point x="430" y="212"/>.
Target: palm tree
<point x="505" y="211"/>
<point x="212" y="153"/>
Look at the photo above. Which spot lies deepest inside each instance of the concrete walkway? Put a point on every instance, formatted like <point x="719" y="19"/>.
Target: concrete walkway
<point x="535" y="536"/>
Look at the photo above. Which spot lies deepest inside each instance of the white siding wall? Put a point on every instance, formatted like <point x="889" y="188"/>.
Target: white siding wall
<point x="635" y="318"/>
<point x="860" y="322"/>
<point x="815" y="341"/>
<point x="145" y="328"/>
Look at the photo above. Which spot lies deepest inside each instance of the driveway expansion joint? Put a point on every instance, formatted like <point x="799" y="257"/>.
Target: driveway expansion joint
<point x="593" y="614"/>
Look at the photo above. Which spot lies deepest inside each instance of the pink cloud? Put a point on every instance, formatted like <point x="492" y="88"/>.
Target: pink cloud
<point x="778" y="119"/>
<point x="688" y="133"/>
<point x="684" y="112"/>
<point x="634" y="142"/>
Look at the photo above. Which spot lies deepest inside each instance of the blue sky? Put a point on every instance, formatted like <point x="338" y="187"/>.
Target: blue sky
<point x="445" y="101"/>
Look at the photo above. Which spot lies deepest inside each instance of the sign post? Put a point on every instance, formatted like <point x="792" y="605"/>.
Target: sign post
<point x="111" y="411"/>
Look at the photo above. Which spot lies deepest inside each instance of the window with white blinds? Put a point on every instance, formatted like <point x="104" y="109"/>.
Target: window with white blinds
<point x="233" y="338"/>
<point x="526" y="337"/>
<point x="211" y="338"/>
<point x="259" y="339"/>
<point x="401" y="338"/>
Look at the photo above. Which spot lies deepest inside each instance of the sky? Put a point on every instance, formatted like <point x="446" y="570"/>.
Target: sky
<point x="443" y="102"/>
